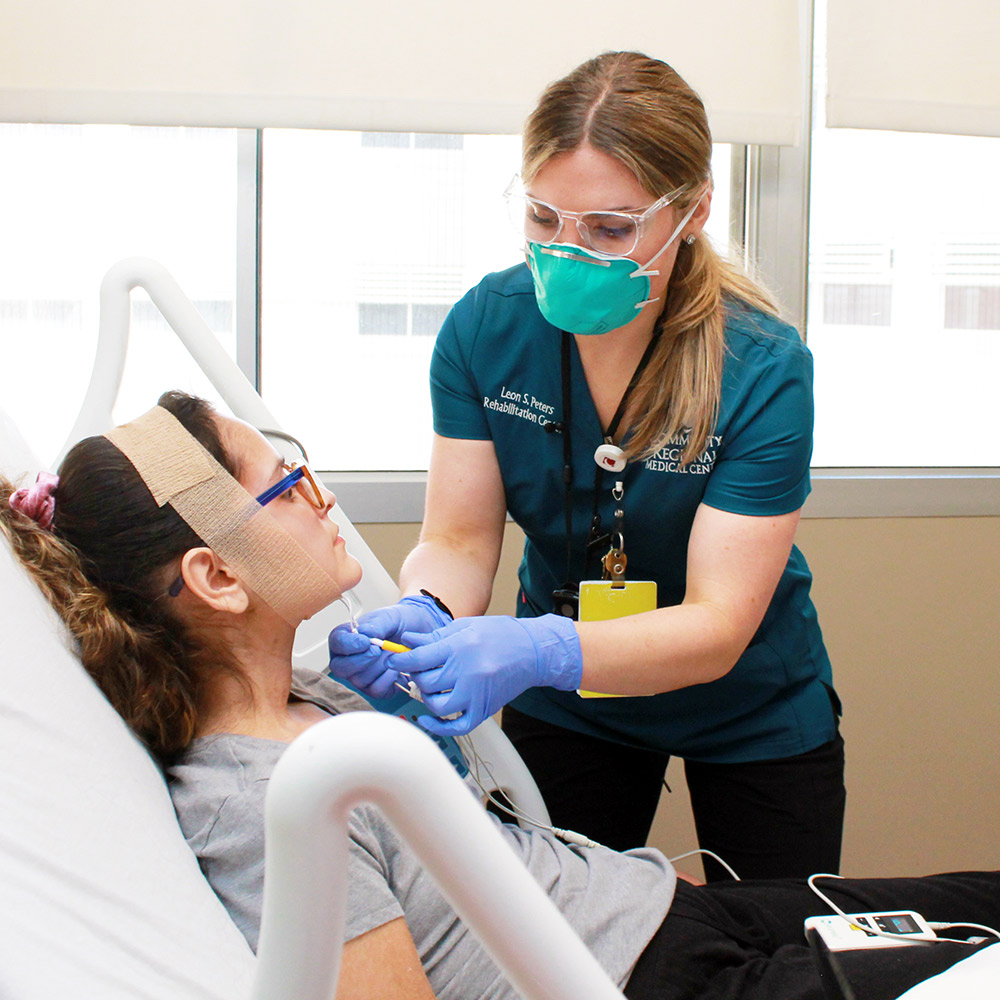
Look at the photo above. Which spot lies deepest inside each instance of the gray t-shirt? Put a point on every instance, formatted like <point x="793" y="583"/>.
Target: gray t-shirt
<point x="615" y="902"/>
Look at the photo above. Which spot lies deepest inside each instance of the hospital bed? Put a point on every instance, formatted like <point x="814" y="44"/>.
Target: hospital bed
<point x="99" y="894"/>
<point x="100" y="897"/>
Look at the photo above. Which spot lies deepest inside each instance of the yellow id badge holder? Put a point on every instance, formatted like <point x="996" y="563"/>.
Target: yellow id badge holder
<point x="601" y="600"/>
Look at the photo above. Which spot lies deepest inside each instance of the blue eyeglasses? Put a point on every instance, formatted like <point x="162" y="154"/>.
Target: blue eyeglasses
<point x="300" y="478"/>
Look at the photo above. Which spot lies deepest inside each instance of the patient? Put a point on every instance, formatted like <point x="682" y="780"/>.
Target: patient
<point x="185" y="608"/>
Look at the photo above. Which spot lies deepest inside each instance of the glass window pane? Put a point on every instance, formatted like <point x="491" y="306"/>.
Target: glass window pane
<point x="717" y="226"/>
<point x="857" y="305"/>
<point x="75" y="200"/>
<point x="427" y="319"/>
<point x="972" y="307"/>
<point x="362" y="240"/>
<point x="381" y="317"/>
<point x="371" y="235"/>
<point x="904" y="295"/>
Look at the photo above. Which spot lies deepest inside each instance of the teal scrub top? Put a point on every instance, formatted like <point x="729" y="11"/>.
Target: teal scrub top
<point x="496" y="375"/>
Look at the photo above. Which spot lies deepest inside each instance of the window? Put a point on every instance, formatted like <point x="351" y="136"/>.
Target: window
<point x="382" y="318"/>
<point x="972" y="307"/>
<point x="972" y="291"/>
<point x="370" y="238"/>
<point x="74" y="200"/>
<point x="904" y="296"/>
<point x="857" y="304"/>
<point x="854" y="279"/>
<point x="417" y="319"/>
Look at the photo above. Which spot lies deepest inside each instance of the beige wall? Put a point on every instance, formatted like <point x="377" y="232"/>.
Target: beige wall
<point x="910" y="608"/>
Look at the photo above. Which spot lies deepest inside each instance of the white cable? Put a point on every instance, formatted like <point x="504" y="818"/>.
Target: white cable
<point x="939" y="925"/>
<point x="352" y="618"/>
<point x="886" y="934"/>
<point x="572" y="837"/>
<point x="474" y="761"/>
<point x="711" y="854"/>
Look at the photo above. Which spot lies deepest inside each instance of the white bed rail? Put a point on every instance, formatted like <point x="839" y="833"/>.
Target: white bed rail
<point x="357" y="758"/>
<point x="186" y="322"/>
<point x="376" y="589"/>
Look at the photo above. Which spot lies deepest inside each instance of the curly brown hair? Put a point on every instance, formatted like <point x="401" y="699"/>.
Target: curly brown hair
<point x="105" y="566"/>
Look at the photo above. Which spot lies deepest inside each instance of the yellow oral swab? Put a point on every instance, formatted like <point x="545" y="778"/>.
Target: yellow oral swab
<point x="394" y="647"/>
<point x="389" y="647"/>
<point x="411" y="688"/>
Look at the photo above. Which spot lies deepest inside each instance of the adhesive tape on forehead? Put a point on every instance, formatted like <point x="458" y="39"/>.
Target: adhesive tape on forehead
<point x="178" y="471"/>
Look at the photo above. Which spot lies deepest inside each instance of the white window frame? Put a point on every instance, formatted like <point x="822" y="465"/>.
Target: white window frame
<point x="769" y="216"/>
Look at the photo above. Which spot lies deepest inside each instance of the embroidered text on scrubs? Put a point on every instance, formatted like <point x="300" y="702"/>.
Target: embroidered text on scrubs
<point x="530" y="408"/>
<point x="668" y="458"/>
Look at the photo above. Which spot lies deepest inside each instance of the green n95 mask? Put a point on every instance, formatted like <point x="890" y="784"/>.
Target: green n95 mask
<point x="584" y="291"/>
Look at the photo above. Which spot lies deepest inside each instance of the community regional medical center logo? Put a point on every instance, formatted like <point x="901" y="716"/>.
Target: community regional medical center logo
<point x="524" y="406"/>
<point x="668" y="458"/>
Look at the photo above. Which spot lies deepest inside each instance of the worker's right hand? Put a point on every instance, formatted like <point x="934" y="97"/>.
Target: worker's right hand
<point x="355" y="660"/>
<point x="470" y="669"/>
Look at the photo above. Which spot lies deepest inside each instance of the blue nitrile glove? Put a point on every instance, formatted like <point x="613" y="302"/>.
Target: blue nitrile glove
<point x="354" y="659"/>
<point x="476" y="665"/>
<point x="417" y="613"/>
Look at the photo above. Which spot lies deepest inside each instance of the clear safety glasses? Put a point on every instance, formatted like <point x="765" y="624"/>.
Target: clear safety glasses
<point x="616" y="233"/>
<point x="300" y="478"/>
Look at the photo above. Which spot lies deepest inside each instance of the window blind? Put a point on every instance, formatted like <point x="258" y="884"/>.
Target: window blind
<point x="430" y="66"/>
<point x="930" y="66"/>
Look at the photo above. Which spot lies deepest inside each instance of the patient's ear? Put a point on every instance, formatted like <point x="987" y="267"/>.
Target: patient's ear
<point x="210" y="579"/>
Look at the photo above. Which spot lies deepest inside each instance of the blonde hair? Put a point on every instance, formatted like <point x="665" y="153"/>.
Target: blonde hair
<point x="640" y="112"/>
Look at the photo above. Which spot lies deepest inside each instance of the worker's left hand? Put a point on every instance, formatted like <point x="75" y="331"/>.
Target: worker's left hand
<point x="474" y="666"/>
<point x="354" y="659"/>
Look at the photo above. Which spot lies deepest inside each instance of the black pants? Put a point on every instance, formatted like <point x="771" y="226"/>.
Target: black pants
<point x="744" y="940"/>
<point x="767" y="819"/>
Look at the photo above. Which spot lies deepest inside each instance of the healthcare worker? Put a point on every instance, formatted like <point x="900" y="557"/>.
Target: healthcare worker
<point x="635" y="404"/>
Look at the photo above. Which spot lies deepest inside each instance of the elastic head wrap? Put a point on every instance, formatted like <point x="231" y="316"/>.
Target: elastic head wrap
<point x="178" y="471"/>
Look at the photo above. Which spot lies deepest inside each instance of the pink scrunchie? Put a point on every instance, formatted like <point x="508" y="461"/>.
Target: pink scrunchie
<point x="37" y="501"/>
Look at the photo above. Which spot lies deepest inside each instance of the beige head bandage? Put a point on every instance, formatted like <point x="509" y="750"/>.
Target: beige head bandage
<point x="179" y="471"/>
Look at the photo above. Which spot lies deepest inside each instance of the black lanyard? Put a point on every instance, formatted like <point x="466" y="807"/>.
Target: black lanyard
<point x="593" y="540"/>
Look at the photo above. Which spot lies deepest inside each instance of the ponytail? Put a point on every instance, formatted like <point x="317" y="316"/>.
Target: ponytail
<point x="640" y="112"/>
<point x="677" y="399"/>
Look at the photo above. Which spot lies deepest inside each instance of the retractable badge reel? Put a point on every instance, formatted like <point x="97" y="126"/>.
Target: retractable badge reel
<point x="610" y="457"/>
<point x="613" y="596"/>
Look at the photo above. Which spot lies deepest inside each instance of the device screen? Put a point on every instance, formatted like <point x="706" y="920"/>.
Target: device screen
<point x="895" y="923"/>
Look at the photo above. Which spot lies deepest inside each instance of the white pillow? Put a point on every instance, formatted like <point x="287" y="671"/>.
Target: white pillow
<point x="100" y="897"/>
<point x="17" y="461"/>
